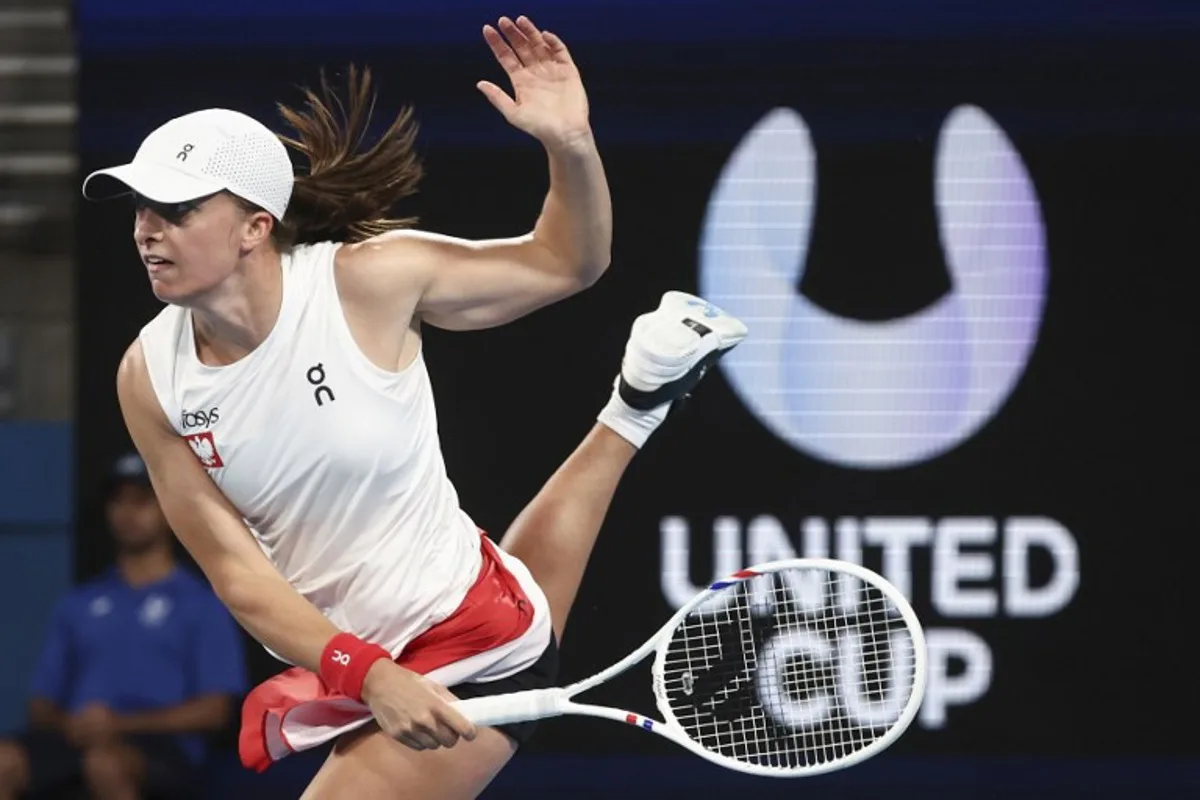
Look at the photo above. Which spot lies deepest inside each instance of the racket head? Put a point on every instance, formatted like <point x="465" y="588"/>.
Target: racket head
<point x="792" y="668"/>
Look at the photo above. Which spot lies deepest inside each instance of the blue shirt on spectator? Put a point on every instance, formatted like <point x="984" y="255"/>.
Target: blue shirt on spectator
<point x="141" y="649"/>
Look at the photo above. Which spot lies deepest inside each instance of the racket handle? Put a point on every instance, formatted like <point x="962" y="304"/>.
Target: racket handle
<point x="503" y="709"/>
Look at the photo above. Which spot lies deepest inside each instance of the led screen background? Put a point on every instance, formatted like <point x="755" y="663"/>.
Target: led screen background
<point x="1072" y="470"/>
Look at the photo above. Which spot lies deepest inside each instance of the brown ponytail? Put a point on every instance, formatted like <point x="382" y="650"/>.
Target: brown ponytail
<point x="346" y="193"/>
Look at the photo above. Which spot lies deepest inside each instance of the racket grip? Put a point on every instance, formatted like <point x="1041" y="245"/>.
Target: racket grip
<point x="503" y="709"/>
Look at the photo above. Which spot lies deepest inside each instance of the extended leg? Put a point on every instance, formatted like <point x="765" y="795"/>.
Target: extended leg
<point x="668" y="352"/>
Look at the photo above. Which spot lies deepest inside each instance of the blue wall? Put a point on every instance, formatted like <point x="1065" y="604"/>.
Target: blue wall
<point x="36" y="511"/>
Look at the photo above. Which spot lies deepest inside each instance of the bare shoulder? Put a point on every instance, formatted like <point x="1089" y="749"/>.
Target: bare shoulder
<point x="132" y="374"/>
<point x="394" y="262"/>
<point x="134" y="391"/>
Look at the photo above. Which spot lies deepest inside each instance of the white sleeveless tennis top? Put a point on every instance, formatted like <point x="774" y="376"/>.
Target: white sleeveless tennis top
<point x="335" y="465"/>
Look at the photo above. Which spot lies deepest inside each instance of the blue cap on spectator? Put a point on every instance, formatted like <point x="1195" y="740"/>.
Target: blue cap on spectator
<point x="128" y="469"/>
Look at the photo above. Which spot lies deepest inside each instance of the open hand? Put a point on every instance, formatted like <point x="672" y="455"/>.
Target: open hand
<point x="549" y="102"/>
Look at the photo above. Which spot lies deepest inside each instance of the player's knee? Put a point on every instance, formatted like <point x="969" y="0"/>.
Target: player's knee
<point x="14" y="768"/>
<point x="105" y="770"/>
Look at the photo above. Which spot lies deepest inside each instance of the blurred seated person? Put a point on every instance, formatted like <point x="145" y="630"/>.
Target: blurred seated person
<point x="139" y="666"/>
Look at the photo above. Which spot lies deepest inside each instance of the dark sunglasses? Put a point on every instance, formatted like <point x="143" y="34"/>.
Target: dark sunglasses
<point x="171" y="212"/>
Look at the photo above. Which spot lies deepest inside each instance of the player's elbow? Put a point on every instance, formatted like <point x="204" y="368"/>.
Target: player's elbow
<point x="593" y="268"/>
<point x="574" y="278"/>
<point x="587" y="263"/>
<point x="578" y="274"/>
<point x="575" y="267"/>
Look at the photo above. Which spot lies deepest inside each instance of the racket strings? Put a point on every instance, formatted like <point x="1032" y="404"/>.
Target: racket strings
<point x="790" y="669"/>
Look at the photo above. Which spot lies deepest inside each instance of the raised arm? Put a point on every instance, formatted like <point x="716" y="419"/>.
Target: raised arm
<point x="479" y="284"/>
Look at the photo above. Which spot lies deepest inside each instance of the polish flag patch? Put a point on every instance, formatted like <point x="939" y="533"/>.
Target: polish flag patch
<point x="205" y="448"/>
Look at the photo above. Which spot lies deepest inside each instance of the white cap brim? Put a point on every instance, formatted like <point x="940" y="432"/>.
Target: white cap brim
<point x="157" y="182"/>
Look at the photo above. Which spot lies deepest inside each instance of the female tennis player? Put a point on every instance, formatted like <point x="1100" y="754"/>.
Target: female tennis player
<point x="283" y="407"/>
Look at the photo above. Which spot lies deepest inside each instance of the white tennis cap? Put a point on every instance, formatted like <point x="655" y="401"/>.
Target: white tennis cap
<point x="203" y="153"/>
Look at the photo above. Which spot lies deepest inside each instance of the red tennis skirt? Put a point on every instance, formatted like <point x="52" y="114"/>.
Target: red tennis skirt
<point x="295" y="710"/>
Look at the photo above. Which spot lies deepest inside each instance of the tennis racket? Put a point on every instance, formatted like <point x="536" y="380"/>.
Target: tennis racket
<point x="785" y="669"/>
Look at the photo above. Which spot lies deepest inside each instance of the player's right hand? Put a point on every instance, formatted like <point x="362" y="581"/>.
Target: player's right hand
<point x="412" y="709"/>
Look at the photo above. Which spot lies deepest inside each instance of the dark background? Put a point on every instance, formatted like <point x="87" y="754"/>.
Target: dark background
<point x="1100" y="99"/>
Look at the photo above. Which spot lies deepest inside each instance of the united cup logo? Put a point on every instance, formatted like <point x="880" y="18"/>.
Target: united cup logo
<point x="880" y="396"/>
<point x="877" y="395"/>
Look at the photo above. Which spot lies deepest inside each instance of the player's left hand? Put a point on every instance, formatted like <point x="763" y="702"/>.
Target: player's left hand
<point x="549" y="102"/>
